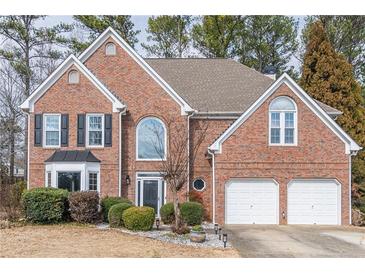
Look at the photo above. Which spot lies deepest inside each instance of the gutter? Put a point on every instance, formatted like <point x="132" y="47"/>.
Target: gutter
<point x="213" y="181"/>
<point x="122" y="111"/>
<point x="188" y="144"/>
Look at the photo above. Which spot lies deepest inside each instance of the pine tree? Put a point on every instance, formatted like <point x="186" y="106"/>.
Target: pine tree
<point x="328" y="77"/>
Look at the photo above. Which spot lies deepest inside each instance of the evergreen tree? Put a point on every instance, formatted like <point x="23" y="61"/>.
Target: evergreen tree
<point x="169" y="34"/>
<point x="95" y="25"/>
<point x="328" y="77"/>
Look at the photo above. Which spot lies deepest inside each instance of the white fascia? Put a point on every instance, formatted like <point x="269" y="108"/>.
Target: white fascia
<point x="350" y="144"/>
<point x="110" y="32"/>
<point x="28" y="104"/>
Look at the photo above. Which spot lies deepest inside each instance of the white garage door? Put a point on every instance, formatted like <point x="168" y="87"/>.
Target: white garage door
<point x="314" y="202"/>
<point x="252" y="201"/>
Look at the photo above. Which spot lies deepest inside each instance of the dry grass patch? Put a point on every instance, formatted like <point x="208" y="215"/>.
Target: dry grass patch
<point x="71" y="241"/>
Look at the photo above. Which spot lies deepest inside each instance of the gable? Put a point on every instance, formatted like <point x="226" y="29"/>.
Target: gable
<point x="350" y="144"/>
<point x="28" y="104"/>
<point x="109" y="33"/>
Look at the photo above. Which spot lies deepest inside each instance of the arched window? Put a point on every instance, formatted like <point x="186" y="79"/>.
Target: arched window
<point x="110" y="49"/>
<point x="151" y="139"/>
<point x="73" y="77"/>
<point x="283" y="121"/>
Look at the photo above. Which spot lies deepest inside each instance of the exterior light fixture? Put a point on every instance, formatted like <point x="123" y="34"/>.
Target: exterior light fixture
<point x="216" y="229"/>
<point x="220" y="233"/>
<point x="283" y="214"/>
<point x="127" y="179"/>
<point x="157" y="223"/>
<point x="225" y="239"/>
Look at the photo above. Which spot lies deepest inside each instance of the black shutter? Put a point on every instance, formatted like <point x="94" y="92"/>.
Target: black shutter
<point x="64" y="130"/>
<point x="80" y="130"/>
<point x="108" y="130"/>
<point x="38" y="130"/>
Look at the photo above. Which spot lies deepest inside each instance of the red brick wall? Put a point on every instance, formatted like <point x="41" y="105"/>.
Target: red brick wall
<point x="75" y="99"/>
<point x="246" y="153"/>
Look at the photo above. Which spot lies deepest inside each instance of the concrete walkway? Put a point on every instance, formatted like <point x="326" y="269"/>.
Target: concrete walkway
<point x="297" y="241"/>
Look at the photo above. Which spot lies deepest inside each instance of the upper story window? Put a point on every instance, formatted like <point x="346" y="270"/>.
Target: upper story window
<point x="73" y="77"/>
<point x="95" y="130"/>
<point x="151" y="139"/>
<point x="52" y="130"/>
<point x="110" y="49"/>
<point x="283" y="122"/>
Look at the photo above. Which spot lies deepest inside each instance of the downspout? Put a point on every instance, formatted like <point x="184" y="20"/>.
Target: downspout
<point x="350" y="190"/>
<point x="188" y="167"/>
<point x="28" y="154"/>
<point x="213" y="182"/>
<point x="123" y="111"/>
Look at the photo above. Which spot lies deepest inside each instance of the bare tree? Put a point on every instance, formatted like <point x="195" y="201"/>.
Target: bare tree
<point x="180" y="153"/>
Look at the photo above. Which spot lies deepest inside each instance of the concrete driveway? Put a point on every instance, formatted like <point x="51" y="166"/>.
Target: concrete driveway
<point x="297" y="241"/>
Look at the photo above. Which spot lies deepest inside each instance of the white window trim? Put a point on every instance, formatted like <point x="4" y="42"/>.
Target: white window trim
<point x="44" y="130"/>
<point x="165" y="144"/>
<point x="115" y="49"/>
<point x="69" y="77"/>
<point x="87" y="130"/>
<point x="282" y="124"/>
<point x="199" y="190"/>
<point x="97" y="180"/>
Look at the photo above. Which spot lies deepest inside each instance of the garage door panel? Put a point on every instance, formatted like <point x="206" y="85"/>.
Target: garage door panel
<point x="313" y="202"/>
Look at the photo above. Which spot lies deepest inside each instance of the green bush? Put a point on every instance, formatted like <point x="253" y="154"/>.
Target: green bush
<point x="192" y="213"/>
<point x="84" y="206"/>
<point x="139" y="218"/>
<point x="45" y="205"/>
<point x="167" y="213"/>
<point x="116" y="213"/>
<point x="108" y="202"/>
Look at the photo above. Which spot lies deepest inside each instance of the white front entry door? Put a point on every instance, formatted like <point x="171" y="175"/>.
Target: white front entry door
<point x="252" y="201"/>
<point x="316" y="201"/>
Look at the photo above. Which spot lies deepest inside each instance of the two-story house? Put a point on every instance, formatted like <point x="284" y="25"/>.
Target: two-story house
<point x="271" y="153"/>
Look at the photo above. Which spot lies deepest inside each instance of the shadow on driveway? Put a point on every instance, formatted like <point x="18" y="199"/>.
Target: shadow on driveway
<point x="290" y="241"/>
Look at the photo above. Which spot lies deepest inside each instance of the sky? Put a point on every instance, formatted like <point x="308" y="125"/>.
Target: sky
<point x="140" y="23"/>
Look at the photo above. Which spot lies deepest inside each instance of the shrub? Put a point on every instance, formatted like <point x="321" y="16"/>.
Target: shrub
<point x="116" y="213"/>
<point x="139" y="218"/>
<point x="84" y="206"/>
<point x="192" y="213"/>
<point x="167" y="213"/>
<point x="197" y="228"/>
<point x="45" y="205"/>
<point x="108" y="202"/>
<point x="10" y="199"/>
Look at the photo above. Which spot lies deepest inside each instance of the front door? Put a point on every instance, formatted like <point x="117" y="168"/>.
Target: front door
<point x="150" y="192"/>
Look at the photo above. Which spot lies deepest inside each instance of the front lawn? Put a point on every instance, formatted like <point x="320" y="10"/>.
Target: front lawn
<point x="86" y="241"/>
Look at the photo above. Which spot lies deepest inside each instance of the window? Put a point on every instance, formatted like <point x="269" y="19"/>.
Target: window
<point x="49" y="179"/>
<point x="69" y="180"/>
<point x="283" y="128"/>
<point x="110" y="49"/>
<point x="73" y="77"/>
<point x="93" y="181"/>
<point x="151" y="139"/>
<point x="199" y="185"/>
<point x="52" y="130"/>
<point x="95" y="130"/>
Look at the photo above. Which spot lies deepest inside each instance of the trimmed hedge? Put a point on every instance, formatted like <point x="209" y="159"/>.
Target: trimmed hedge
<point x="116" y="213"/>
<point x="192" y="213"/>
<point x="45" y="205"/>
<point x="167" y="213"/>
<point x="84" y="206"/>
<point x="108" y="202"/>
<point x="139" y="218"/>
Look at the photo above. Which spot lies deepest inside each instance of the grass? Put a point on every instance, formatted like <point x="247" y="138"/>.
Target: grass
<point x="85" y="241"/>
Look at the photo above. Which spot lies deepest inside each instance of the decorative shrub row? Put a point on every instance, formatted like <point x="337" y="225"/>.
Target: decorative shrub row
<point x="191" y="212"/>
<point x="45" y="205"/>
<point x="139" y="218"/>
<point x="108" y="202"/>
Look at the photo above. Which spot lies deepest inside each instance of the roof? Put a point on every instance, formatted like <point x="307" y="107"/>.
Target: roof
<point x="216" y="85"/>
<point x="72" y="156"/>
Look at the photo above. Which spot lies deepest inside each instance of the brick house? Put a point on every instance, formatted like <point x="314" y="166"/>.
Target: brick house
<point x="271" y="154"/>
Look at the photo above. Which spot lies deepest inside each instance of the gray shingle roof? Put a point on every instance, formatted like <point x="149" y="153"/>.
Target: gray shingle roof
<point x="215" y="85"/>
<point x="72" y="156"/>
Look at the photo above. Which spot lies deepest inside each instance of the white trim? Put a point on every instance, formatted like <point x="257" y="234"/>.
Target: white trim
<point x="87" y="129"/>
<point x="70" y="81"/>
<point x="45" y="115"/>
<point x="258" y="179"/>
<point x="199" y="190"/>
<point x="110" y="32"/>
<point x="350" y="190"/>
<point x="87" y="184"/>
<point x="350" y="144"/>
<point x="213" y="184"/>
<point x="28" y="152"/>
<point x="165" y="144"/>
<point x="114" y="49"/>
<point x="339" y="194"/>
<point x="28" y="104"/>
